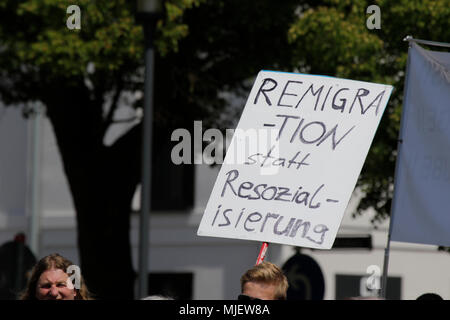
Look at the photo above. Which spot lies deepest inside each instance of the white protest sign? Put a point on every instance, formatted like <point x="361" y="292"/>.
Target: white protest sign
<point x="294" y="159"/>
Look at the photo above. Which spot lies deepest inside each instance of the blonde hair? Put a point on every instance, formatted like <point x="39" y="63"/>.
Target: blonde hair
<point x="52" y="261"/>
<point x="267" y="273"/>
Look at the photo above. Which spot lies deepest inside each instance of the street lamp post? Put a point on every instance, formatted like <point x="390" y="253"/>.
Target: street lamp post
<point x="147" y="11"/>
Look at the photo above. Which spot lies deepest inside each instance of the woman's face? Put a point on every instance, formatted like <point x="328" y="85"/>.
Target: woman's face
<point x="55" y="284"/>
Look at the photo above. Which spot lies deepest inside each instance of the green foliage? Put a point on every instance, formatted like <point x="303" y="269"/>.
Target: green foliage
<point x="36" y="42"/>
<point x="172" y="29"/>
<point x="334" y="42"/>
<point x="108" y="37"/>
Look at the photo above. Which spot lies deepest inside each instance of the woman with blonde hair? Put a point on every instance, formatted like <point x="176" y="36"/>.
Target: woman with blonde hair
<point x="50" y="280"/>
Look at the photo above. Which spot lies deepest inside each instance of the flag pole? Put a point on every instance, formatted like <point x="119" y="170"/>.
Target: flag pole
<point x="427" y="42"/>
<point x="399" y="144"/>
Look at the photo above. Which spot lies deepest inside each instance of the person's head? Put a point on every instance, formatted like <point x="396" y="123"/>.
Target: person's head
<point x="49" y="280"/>
<point x="264" y="281"/>
<point x="429" y="296"/>
<point x="158" y="297"/>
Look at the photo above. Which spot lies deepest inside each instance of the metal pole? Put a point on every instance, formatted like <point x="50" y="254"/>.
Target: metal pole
<point x="386" y="263"/>
<point x="35" y="182"/>
<point x="146" y="161"/>
<point x="430" y="43"/>
<point x="399" y="145"/>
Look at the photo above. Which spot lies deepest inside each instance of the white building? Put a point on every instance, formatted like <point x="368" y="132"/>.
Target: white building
<point x="208" y="267"/>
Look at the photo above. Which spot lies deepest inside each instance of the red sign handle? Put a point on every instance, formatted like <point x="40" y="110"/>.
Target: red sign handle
<point x="262" y="252"/>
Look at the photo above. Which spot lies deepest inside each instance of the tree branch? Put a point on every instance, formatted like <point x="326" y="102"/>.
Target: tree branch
<point x="113" y="107"/>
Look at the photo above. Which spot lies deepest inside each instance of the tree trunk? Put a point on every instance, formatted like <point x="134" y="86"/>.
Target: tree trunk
<point x="102" y="181"/>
